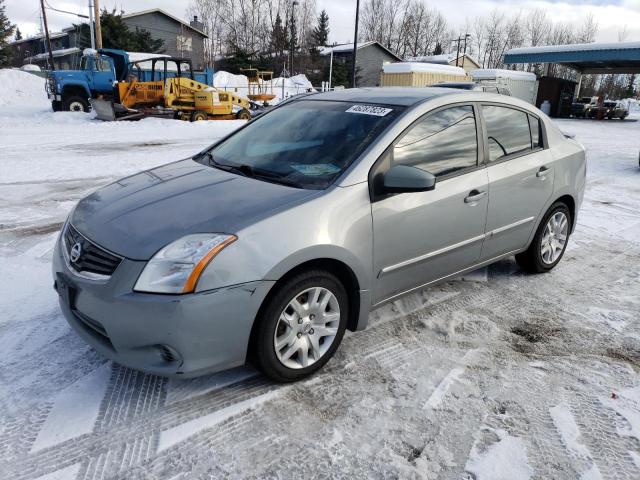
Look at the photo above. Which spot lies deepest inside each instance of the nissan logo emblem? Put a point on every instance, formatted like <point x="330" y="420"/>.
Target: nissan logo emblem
<point x="75" y="252"/>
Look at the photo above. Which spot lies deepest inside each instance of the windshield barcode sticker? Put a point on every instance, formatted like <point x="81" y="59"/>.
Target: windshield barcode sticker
<point x="369" y="110"/>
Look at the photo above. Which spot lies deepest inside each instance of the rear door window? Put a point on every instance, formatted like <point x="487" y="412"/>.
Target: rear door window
<point x="508" y="131"/>
<point x="442" y="143"/>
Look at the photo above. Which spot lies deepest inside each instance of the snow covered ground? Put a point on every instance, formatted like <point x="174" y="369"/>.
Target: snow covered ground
<point x="500" y="376"/>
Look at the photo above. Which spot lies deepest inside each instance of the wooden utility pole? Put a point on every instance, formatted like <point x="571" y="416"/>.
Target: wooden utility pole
<point x="96" y="14"/>
<point x="46" y="33"/>
<point x="355" y="46"/>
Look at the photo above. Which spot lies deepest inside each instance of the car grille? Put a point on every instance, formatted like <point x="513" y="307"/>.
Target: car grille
<point x="92" y="258"/>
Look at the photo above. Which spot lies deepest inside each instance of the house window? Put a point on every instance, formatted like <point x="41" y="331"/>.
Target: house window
<point x="184" y="43"/>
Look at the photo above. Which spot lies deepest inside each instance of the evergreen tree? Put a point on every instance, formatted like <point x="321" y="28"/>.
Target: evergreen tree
<point x="279" y="41"/>
<point x="6" y="30"/>
<point x="116" y="34"/>
<point x="320" y="34"/>
<point x="438" y="49"/>
<point x="18" y="35"/>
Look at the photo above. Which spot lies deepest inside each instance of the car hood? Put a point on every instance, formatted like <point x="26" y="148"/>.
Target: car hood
<point x="138" y="215"/>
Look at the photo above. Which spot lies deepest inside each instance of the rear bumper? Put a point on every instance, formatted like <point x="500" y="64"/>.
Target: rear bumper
<point x="169" y="335"/>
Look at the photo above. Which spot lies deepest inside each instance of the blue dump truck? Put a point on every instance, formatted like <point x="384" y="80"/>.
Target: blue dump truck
<point x="100" y="71"/>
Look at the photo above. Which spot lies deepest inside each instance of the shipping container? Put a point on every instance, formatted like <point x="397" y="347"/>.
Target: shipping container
<point x="522" y="85"/>
<point x="410" y="74"/>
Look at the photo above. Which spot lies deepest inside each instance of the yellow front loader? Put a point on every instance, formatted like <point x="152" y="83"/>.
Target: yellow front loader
<point x="196" y="101"/>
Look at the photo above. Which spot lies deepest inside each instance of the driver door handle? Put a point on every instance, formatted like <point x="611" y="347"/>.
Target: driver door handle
<point x="474" y="196"/>
<point x="542" y="173"/>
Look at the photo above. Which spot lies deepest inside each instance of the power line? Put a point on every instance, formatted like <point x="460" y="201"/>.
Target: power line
<point x="64" y="11"/>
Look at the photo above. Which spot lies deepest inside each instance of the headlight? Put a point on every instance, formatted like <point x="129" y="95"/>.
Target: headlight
<point x="177" y="267"/>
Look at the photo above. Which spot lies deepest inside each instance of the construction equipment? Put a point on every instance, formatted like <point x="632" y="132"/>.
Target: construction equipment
<point x="196" y="101"/>
<point x="260" y="85"/>
<point x="172" y="93"/>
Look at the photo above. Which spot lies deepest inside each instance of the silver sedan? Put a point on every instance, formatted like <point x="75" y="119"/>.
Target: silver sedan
<point x="271" y="243"/>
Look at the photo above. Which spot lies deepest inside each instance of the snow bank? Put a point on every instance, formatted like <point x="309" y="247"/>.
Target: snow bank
<point x="292" y="85"/>
<point x="30" y="67"/>
<point x="22" y="89"/>
<point x="228" y="80"/>
<point x="494" y="73"/>
<point x="409" y="67"/>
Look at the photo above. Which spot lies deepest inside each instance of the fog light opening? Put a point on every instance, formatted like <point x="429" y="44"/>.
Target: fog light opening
<point x="168" y="354"/>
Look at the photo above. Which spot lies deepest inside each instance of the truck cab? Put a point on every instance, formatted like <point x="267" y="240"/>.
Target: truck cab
<point x="71" y="90"/>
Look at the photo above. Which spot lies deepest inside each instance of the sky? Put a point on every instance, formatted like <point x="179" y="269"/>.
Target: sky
<point x="611" y="15"/>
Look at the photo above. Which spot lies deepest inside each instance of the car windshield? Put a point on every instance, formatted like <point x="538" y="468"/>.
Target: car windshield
<point x="305" y="144"/>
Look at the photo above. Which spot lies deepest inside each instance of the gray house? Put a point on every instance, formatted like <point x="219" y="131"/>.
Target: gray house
<point x="370" y="58"/>
<point x="181" y="39"/>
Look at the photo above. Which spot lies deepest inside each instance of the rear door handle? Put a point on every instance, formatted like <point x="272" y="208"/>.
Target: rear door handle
<point x="542" y="173"/>
<point x="474" y="196"/>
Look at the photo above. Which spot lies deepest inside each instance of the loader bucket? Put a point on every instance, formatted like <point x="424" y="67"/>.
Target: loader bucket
<point x="104" y="109"/>
<point x="109" y="111"/>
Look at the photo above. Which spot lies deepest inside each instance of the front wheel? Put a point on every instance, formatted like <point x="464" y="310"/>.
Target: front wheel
<point x="301" y="326"/>
<point x="243" y="114"/>
<point x="76" y="104"/>
<point x="549" y="242"/>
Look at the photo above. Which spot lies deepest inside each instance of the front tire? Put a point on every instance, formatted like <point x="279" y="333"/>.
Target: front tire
<point x="300" y="326"/>
<point x="550" y="241"/>
<point x="76" y="104"/>
<point x="243" y="114"/>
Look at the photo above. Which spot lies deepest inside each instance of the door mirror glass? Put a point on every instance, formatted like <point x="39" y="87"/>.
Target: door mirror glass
<point x="403" y="178"/>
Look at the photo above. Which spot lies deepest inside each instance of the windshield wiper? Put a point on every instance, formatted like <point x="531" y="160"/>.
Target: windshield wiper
<point x="248" y="171"/>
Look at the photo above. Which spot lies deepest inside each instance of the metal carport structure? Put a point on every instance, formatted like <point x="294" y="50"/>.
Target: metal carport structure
<point x="584" y="58"/>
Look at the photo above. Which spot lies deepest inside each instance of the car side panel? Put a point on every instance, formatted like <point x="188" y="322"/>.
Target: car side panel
<point x="335" y="225"/>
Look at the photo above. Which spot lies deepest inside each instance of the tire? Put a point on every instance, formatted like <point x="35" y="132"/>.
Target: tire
<point x="198" y="116"/>
<point x="56" y="105"/>
<point x="243" y="114"/>
<point x="76" y="104"/>
<point x="297" y="334"/>
<point x="540" y="257"/>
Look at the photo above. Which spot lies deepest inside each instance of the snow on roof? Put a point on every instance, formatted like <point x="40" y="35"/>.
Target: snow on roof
<point x="345" y="47"/>
<point x="407" y="67"/>
<point x="442" y="58"/>
<point x="576" y="47"/>
<point x="56" y="53"/>
<point x="52" y="36"/>
<point x="493" y="73"/>
<point x="348" y="47"/>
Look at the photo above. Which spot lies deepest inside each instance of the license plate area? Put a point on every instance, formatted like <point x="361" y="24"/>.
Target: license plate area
<point x="67" y="291"/>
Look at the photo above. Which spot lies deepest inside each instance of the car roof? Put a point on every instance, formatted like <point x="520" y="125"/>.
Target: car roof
<point x="401" y="96"/>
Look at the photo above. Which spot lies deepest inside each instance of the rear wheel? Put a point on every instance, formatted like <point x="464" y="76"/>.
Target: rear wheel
<point x="198" y="116"/>
<point x="301" y="326"/>
<point x="549" y="242"/>
<point x="76" y="104"/>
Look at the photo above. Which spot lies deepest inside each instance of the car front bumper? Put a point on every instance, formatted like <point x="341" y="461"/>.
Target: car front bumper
<point x="170" y="335"/>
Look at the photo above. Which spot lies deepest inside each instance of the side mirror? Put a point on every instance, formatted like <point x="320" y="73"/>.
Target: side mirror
<point x="403" y="179"/>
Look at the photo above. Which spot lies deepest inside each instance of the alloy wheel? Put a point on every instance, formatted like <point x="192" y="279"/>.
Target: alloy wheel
<point x="554" y="238"/>
<point x="307" y="327"/>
